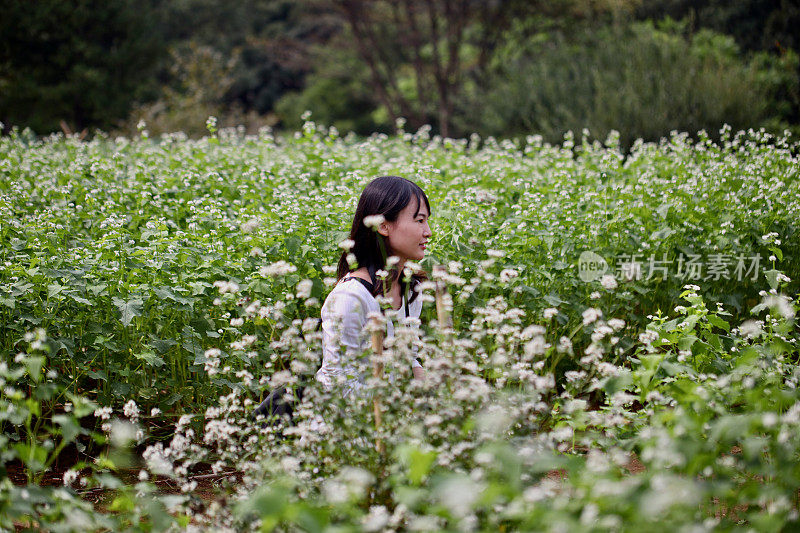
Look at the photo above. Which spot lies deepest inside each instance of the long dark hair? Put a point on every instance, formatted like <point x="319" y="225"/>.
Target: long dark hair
<point x="387" y="196"/>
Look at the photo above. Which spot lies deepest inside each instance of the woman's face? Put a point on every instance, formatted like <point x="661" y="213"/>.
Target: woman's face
<point x="408" y="235"/>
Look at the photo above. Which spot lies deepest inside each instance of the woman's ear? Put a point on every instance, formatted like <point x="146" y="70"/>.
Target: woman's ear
<point x="383" y="229"/>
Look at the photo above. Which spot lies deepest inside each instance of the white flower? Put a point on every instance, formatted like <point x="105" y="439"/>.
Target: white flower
<point x="495" y="253"/>
<point x="601" y="331"/>
<point x="648" y="337"/>
<point x="279" y="268"/>
<point x="750" y="329"/>
<point x="616" y="324"/>
<point x="304" y="288"/>
<point x="351" y="260"/>
<point x="103" y="413"/>
<point x="373" y="221"/>
<point x="377" y="519"/>
<point x="595" y="295"/>
<point x="279" y="379"/>
<point x="550" y="312"/>
<point x="782" y="303"/>
<point x="250" y="225"/>
<point x="564" y="433"/>
<point x="607" y="369"/>
<point x="131" y="410"/>
<point x="347" y="244"/>
<point x="536" y="347"/>
<point x="609" y="282"/>
<point x="507" y="274"/>
<point x="591" y="315"/>
<point x="564" y="345"/>
<point x="226" y="286"/>
<point x="70" y="477"/>
<point x="532" y="331"/>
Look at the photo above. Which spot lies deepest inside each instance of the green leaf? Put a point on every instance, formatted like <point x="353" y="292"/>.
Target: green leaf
<point x="97" y="374"/>
<point x="772" y="278"/>
<point x="686" y="342"/>
<point x="662" y="234"/>
<point x="164" y="293"/>
<point x="419" y="464"/>
<point x="663" y="209"/>
<point x="80" y="299"/>
<point x="717" y="321"/>
<point x="69" y="427"/>
<point x="97" y="288"/>
<point x="34" y="456"/>
<point x="129" y="309"/>
<point x="777" y="251"/>
<point x="162" y="345"/>
<point x="80" y="406"/>
<point x="34" y="365"/>
<point x="54" y="289"/>
<point x="714" y="341"/>
<point x="150" y="358"/>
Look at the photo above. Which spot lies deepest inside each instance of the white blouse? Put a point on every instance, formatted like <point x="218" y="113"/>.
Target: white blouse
<point x="344" y="317"/>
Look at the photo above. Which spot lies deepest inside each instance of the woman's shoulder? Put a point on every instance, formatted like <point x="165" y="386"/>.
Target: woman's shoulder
<point x="349" y="296"/>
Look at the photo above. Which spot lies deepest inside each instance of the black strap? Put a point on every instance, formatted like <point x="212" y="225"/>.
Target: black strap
<point x="368" y="286"/>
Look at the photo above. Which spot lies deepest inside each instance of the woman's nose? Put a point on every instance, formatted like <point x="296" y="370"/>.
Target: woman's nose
<point x="427" y="230"/>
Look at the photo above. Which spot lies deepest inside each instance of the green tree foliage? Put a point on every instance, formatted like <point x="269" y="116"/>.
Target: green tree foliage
<point x="79" y="62"/>
<point x="269" y="38"/>
<point x="639" y="79"/>
<point x="338" y="95"/>
<point x="200" y="78"/>
<point x="418" y="53"/>
<point x="459" y="66"/>
<point x="755" y="24"/>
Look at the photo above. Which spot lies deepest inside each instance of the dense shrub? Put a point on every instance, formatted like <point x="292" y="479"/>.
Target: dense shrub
<point x="642" y="80"/>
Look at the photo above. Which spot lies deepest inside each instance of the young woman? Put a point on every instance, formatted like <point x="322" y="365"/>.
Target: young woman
<point x="397" y="211"/>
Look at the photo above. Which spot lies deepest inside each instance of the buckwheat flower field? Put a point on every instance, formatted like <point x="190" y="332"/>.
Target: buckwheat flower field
<point x="610" y="338"/>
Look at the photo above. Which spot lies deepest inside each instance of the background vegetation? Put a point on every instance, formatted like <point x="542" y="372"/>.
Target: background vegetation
<point x="503" y="68"/>
<point x="152" y="291"/>
<point x="160" y="272"/>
